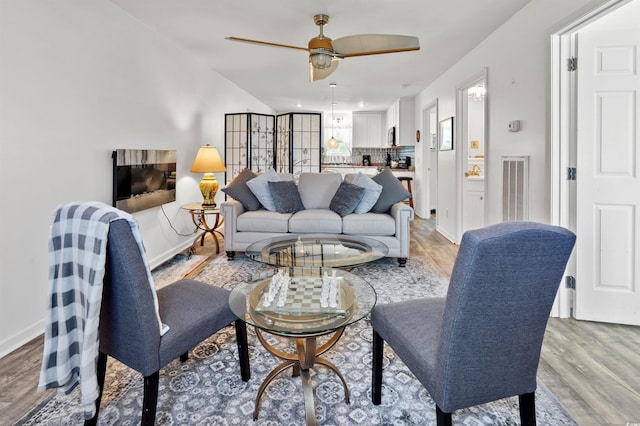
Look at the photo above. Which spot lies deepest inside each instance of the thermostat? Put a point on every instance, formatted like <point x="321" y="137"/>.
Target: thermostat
<point x="514" y="126"/>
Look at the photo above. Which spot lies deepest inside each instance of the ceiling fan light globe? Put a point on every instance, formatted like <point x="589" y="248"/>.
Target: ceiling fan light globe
<point x="320" y="60"/>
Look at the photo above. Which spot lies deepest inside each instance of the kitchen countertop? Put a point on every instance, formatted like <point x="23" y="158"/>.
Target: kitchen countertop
<point x="336" y="166"/>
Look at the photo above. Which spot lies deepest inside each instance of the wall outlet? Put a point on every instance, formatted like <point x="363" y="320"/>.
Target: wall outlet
<point x="514" y="126"/>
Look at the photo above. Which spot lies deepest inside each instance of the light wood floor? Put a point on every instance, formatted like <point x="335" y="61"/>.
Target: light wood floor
<point x="592" y="368"/>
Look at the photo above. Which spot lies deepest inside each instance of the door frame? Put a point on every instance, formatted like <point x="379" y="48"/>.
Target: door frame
<point x="563" y="141"/>
<point x="462" y="150"/>
<point x="427" y="160"/>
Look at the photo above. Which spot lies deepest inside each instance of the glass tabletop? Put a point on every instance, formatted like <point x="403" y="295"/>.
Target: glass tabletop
<point x="300" y="308"/>
<point x="317" y="250"/>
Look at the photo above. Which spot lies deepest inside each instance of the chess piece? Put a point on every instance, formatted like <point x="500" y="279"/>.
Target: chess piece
<point x="333" y="290"/>
<point x="324" y="296"/>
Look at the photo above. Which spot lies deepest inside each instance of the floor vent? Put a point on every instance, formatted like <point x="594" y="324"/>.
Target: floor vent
<point x="515" y="188"/>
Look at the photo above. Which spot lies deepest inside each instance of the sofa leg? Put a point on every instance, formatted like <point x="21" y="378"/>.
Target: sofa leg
<point x="231" y="255"/>
<point x="402" y="261"/>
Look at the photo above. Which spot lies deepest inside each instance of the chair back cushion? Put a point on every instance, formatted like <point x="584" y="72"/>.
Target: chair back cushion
<point x="502" y="288"/>
<point x="128" y="325"/>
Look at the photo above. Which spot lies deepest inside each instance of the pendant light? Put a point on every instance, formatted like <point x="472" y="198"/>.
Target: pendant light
<point x="332" y="143"/>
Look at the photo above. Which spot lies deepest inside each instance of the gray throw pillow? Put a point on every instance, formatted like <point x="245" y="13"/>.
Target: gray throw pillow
<point x="238" y="190"/>
<point x="317" y="189"/>
<point x="392" y="191"/>
<point x="372" y="191"/>
<point x="286" y="196"/>
<point x="260" y="188"/>
<point x="347" y="198"/>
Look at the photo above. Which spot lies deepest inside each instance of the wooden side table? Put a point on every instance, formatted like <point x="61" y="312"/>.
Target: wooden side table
<point x="199" y="217"/>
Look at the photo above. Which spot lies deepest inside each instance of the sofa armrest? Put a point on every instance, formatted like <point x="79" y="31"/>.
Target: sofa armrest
<point x="400" y="210"/>
<point x="230" y="210"/>
<point x="403" y="215"/>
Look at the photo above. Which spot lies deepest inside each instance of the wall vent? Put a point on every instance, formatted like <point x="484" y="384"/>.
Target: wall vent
<point x="515" y="188"/>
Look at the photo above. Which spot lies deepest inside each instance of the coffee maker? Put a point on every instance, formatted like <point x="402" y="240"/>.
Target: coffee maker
<point x="366" y="160"/>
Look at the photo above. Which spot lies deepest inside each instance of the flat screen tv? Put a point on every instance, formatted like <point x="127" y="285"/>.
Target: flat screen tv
<point x="143" y="178"/>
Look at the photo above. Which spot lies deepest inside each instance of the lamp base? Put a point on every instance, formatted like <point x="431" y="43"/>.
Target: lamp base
<point x="209" y="188"/>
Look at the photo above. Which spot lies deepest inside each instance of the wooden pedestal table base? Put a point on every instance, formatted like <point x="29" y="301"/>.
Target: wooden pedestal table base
<point x="199" y="217"/>
<point x="306" y="357"/>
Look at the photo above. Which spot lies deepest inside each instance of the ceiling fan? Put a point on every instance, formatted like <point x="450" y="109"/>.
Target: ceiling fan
<point x="324" y="53"/>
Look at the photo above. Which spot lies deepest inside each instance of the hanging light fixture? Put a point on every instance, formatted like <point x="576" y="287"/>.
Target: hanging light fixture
<point x="332" y="143"/>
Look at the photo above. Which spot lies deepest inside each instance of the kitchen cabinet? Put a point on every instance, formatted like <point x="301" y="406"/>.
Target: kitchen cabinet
<point x="368" y="130"/>
<point x="401" y="115"/>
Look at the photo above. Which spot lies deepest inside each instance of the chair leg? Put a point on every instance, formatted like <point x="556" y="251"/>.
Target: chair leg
<point x="184" y="357"/>
<point x="150" y="399"/>
<point x="376" y="379"/>
<point x="101" y="370"/>
<point x="243" y="350"/>
<point x="527" y="409"/>
<point x="442" y="418"/>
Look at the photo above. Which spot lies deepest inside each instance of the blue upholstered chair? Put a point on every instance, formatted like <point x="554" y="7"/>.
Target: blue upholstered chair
<point x="482" y="342"/>
<point x="128" y="326"/>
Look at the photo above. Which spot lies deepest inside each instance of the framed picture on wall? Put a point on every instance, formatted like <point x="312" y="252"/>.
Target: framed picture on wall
<point x="446" y="134"/>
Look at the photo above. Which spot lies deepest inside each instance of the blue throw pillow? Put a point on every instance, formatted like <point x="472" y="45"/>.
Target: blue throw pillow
<point x="286" y="197"/>
<point x="346" y="199"/>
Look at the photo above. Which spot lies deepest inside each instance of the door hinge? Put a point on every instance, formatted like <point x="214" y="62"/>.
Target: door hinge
<point x="572" y="63"/>
<point x="571" y="173"/>
<point x="571" y="282"/>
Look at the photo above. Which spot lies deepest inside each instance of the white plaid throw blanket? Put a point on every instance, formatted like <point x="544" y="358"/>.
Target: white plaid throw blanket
<point x="77" y="254"/>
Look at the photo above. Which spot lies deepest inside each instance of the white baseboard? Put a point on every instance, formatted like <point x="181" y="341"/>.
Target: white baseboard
<point x="12" y="343"/>
<point x="23" y="336"/>
<point x="159" y="260"/>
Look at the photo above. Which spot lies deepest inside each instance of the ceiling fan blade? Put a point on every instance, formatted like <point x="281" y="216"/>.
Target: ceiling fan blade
<point x="374" y="44"/>
<point x="266" y="43"/>
<point x="316" y="74"/>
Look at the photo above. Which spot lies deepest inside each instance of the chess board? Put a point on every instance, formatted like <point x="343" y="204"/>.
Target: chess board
<point x="303" y="297"/>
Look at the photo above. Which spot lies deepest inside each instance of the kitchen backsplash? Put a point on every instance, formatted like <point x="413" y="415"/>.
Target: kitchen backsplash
<point x="378" y="155"/>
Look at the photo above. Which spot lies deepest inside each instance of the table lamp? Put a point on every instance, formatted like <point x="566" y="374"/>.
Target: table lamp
<point x="208" y="161"/>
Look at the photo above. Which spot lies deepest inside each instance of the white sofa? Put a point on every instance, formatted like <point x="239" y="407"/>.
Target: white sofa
<point x="243" y="227"/>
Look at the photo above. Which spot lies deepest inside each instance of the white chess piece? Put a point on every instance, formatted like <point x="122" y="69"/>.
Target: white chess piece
<point x="333" y="290"/>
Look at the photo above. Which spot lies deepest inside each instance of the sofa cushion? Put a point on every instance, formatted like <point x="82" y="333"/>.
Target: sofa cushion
<point x="392" y="191"/>
<point x="371" y="194"/>
<point x="346" y="198"/>
<point x="263" y="221"/>
<point x="238" y="190"/>
<point x="368" y="224"/>
<point x="285" y="196"/>
<point x="317" y="189"/>
<point x="260" y="188"/>
<point x="322" y="221"/>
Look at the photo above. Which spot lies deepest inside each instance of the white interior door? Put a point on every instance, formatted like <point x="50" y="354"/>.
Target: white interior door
<point x="608" y="177"/>
<point x="472" y="150"/>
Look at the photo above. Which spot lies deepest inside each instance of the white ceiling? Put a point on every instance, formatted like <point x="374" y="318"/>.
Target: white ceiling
<point x="447" y="30"/>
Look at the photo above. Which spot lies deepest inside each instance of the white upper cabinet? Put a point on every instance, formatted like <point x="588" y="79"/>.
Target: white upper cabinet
<point x="368" y="130"/>
<point x="401" y="115"/>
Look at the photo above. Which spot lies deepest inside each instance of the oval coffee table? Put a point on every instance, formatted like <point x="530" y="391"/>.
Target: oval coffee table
<point x="303" y="318"/>
<point x="317" y="250"/>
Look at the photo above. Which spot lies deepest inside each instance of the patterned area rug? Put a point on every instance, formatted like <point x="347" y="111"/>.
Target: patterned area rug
<point x="207" y="389"/>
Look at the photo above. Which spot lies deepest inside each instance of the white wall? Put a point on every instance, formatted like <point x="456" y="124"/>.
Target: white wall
<point x="517" y="57"/>
<point x="78" y="79"/>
